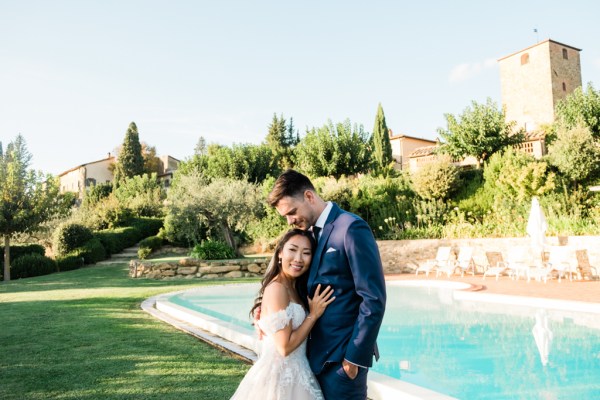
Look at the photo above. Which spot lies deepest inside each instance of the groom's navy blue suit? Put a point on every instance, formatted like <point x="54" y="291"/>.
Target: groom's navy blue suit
<point x="347" y="258"/>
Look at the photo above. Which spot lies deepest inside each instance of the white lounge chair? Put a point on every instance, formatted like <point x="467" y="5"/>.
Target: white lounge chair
<point x="442" y="259"/>
<point x="561" y="260"/>
<point x="518" y="260"/>
<point x="465" y="261"/>
<point x="496" y="265"/>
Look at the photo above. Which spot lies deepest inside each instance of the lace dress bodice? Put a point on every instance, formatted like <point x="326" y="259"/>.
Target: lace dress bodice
<point x="273" y="376"/>
<point x="279" y="320"/>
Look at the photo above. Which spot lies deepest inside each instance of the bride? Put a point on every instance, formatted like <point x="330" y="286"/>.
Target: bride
<point x="282" y="371"/>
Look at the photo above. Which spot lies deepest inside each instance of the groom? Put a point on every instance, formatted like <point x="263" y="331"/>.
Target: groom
<point x="342" y="344"/>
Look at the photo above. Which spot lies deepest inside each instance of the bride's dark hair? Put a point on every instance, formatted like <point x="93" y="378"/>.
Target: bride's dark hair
<point x="274" y="267"/>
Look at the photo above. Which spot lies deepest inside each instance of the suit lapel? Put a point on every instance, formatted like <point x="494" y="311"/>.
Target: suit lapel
<point x="316" y="262"/>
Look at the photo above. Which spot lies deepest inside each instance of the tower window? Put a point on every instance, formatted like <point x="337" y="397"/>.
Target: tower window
<point x="564" y="87"/>
<point x="565" y="54"/>
<point x="525" y="59"/>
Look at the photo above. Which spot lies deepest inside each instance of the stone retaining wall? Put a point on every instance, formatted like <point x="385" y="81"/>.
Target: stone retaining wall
<point x="397" y="256"/>
<point x="190" y="268"/>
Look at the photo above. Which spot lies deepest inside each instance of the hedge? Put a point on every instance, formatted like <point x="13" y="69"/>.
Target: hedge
<point x="147" y="226"/>
<point x="30" y="265"/>
<point x="69" y="263"/>
<point x="20" y="250"/>
<point x="91" y="252"/>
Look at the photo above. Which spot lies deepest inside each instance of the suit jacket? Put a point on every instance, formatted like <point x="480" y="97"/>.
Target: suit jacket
<point x="347" y="258"/>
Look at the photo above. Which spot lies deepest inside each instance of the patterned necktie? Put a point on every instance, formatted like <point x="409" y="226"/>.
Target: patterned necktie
<point x="316" y="230"/>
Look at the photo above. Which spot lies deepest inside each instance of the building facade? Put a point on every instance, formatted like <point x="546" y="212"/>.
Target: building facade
<point x="535" y="79"/>
<point x="403" y="146"/>
<point x="80" y="178"/>
<point x="83" y="176"/>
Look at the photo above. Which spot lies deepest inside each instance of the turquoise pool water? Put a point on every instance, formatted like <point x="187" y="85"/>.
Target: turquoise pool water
<point x="462" y="348"/>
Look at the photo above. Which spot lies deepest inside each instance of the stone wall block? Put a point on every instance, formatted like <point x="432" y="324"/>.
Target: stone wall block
<point x="234" y="274"/>
<point x="255" y="268"/>
<point x="219" y="269"/>
<point x="187" y="270"/>
<point x="189" y="262"/>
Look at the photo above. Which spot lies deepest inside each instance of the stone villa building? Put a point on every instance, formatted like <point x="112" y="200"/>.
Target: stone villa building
<point x="533" y="81"/>
<point x="403" y="146"/>
<point x="80" y="178"/>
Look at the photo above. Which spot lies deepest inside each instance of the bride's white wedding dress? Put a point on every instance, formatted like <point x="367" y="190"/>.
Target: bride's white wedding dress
<point x="274" y="377"/>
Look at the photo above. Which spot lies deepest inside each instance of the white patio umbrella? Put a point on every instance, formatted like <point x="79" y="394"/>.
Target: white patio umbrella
<point x="537" y="226"/>
<point x="542" y="335"/>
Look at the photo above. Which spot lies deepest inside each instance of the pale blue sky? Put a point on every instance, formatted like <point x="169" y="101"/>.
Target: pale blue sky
<point x="74" y="74"/>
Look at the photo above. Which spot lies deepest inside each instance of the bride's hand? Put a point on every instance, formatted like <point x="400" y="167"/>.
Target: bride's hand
<point x="320" y="301"/>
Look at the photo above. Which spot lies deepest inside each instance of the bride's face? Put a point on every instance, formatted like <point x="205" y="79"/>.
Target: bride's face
<point x="295" y="256"/>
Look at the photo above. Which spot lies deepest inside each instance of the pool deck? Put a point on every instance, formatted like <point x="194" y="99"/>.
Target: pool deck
<point x="586" y="291"/>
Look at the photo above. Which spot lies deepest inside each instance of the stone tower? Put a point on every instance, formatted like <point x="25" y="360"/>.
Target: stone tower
<point x="534" y="79"/>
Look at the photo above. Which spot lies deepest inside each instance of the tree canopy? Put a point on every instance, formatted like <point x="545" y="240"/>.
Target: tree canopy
<point x="334" y="150"/>
<point x="130" y="161"/>
<point x="223" y="205"/>
<point x="575" y="153"/>
<point x="281" y="139"/>
<point x="382" y="148"/>
<point x="479" y="131"/>
<point x="28" y="198"/>
<point x="580" y="108"/>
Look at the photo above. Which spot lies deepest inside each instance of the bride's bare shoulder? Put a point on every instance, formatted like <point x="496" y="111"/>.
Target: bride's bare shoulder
<point x="275" y="296"/>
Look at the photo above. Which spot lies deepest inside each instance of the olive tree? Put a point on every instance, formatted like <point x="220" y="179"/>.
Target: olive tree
<point x="224" y="205"/>
<point x="480" y="131"/>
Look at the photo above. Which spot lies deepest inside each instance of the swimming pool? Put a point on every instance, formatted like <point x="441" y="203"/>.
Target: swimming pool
<point x="465" y="345"/>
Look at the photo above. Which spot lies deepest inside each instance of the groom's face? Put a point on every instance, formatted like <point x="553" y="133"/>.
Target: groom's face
<point x="298" y="210"/>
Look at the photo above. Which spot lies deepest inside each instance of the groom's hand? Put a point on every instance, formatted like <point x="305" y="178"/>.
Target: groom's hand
<point x="350" y="369"/>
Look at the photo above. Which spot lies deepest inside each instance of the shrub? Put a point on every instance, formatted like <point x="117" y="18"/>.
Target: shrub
<point x="144" y="252"/>
<point x="69" y="263"/>
<point x="97" y="193"/>
<point x="129" y="236"/>
<point x="575" y="153"/>
<point x="385" y="203"/>
<point x="110" y="241"/>
<point x="30" y="265"/>
<point x="149" y="245"/>
<point x="142" y="194"/>
<point x="517" y="176"/>
<point x="436" y="180"/>
<point x="91" y="252"/>
<point x="212" y="250"/>
<point x="117" y="239"/>
<point x="339" y="191"/>
<point x="147" y="226"/>
<point x="69" y="236"/>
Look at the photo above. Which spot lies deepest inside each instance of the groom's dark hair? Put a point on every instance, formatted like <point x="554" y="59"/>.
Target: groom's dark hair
<point x="291" y="183"/>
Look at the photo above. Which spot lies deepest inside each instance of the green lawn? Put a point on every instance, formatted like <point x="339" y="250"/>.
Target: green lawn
<point x="82" y="335"/>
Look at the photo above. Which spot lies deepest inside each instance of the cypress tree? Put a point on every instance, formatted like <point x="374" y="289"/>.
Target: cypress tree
<point x="382" y="148"/>
<point x="130" y="161"/>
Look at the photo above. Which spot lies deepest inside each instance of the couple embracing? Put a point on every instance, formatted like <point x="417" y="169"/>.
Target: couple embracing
<point x="321" y="302"/>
